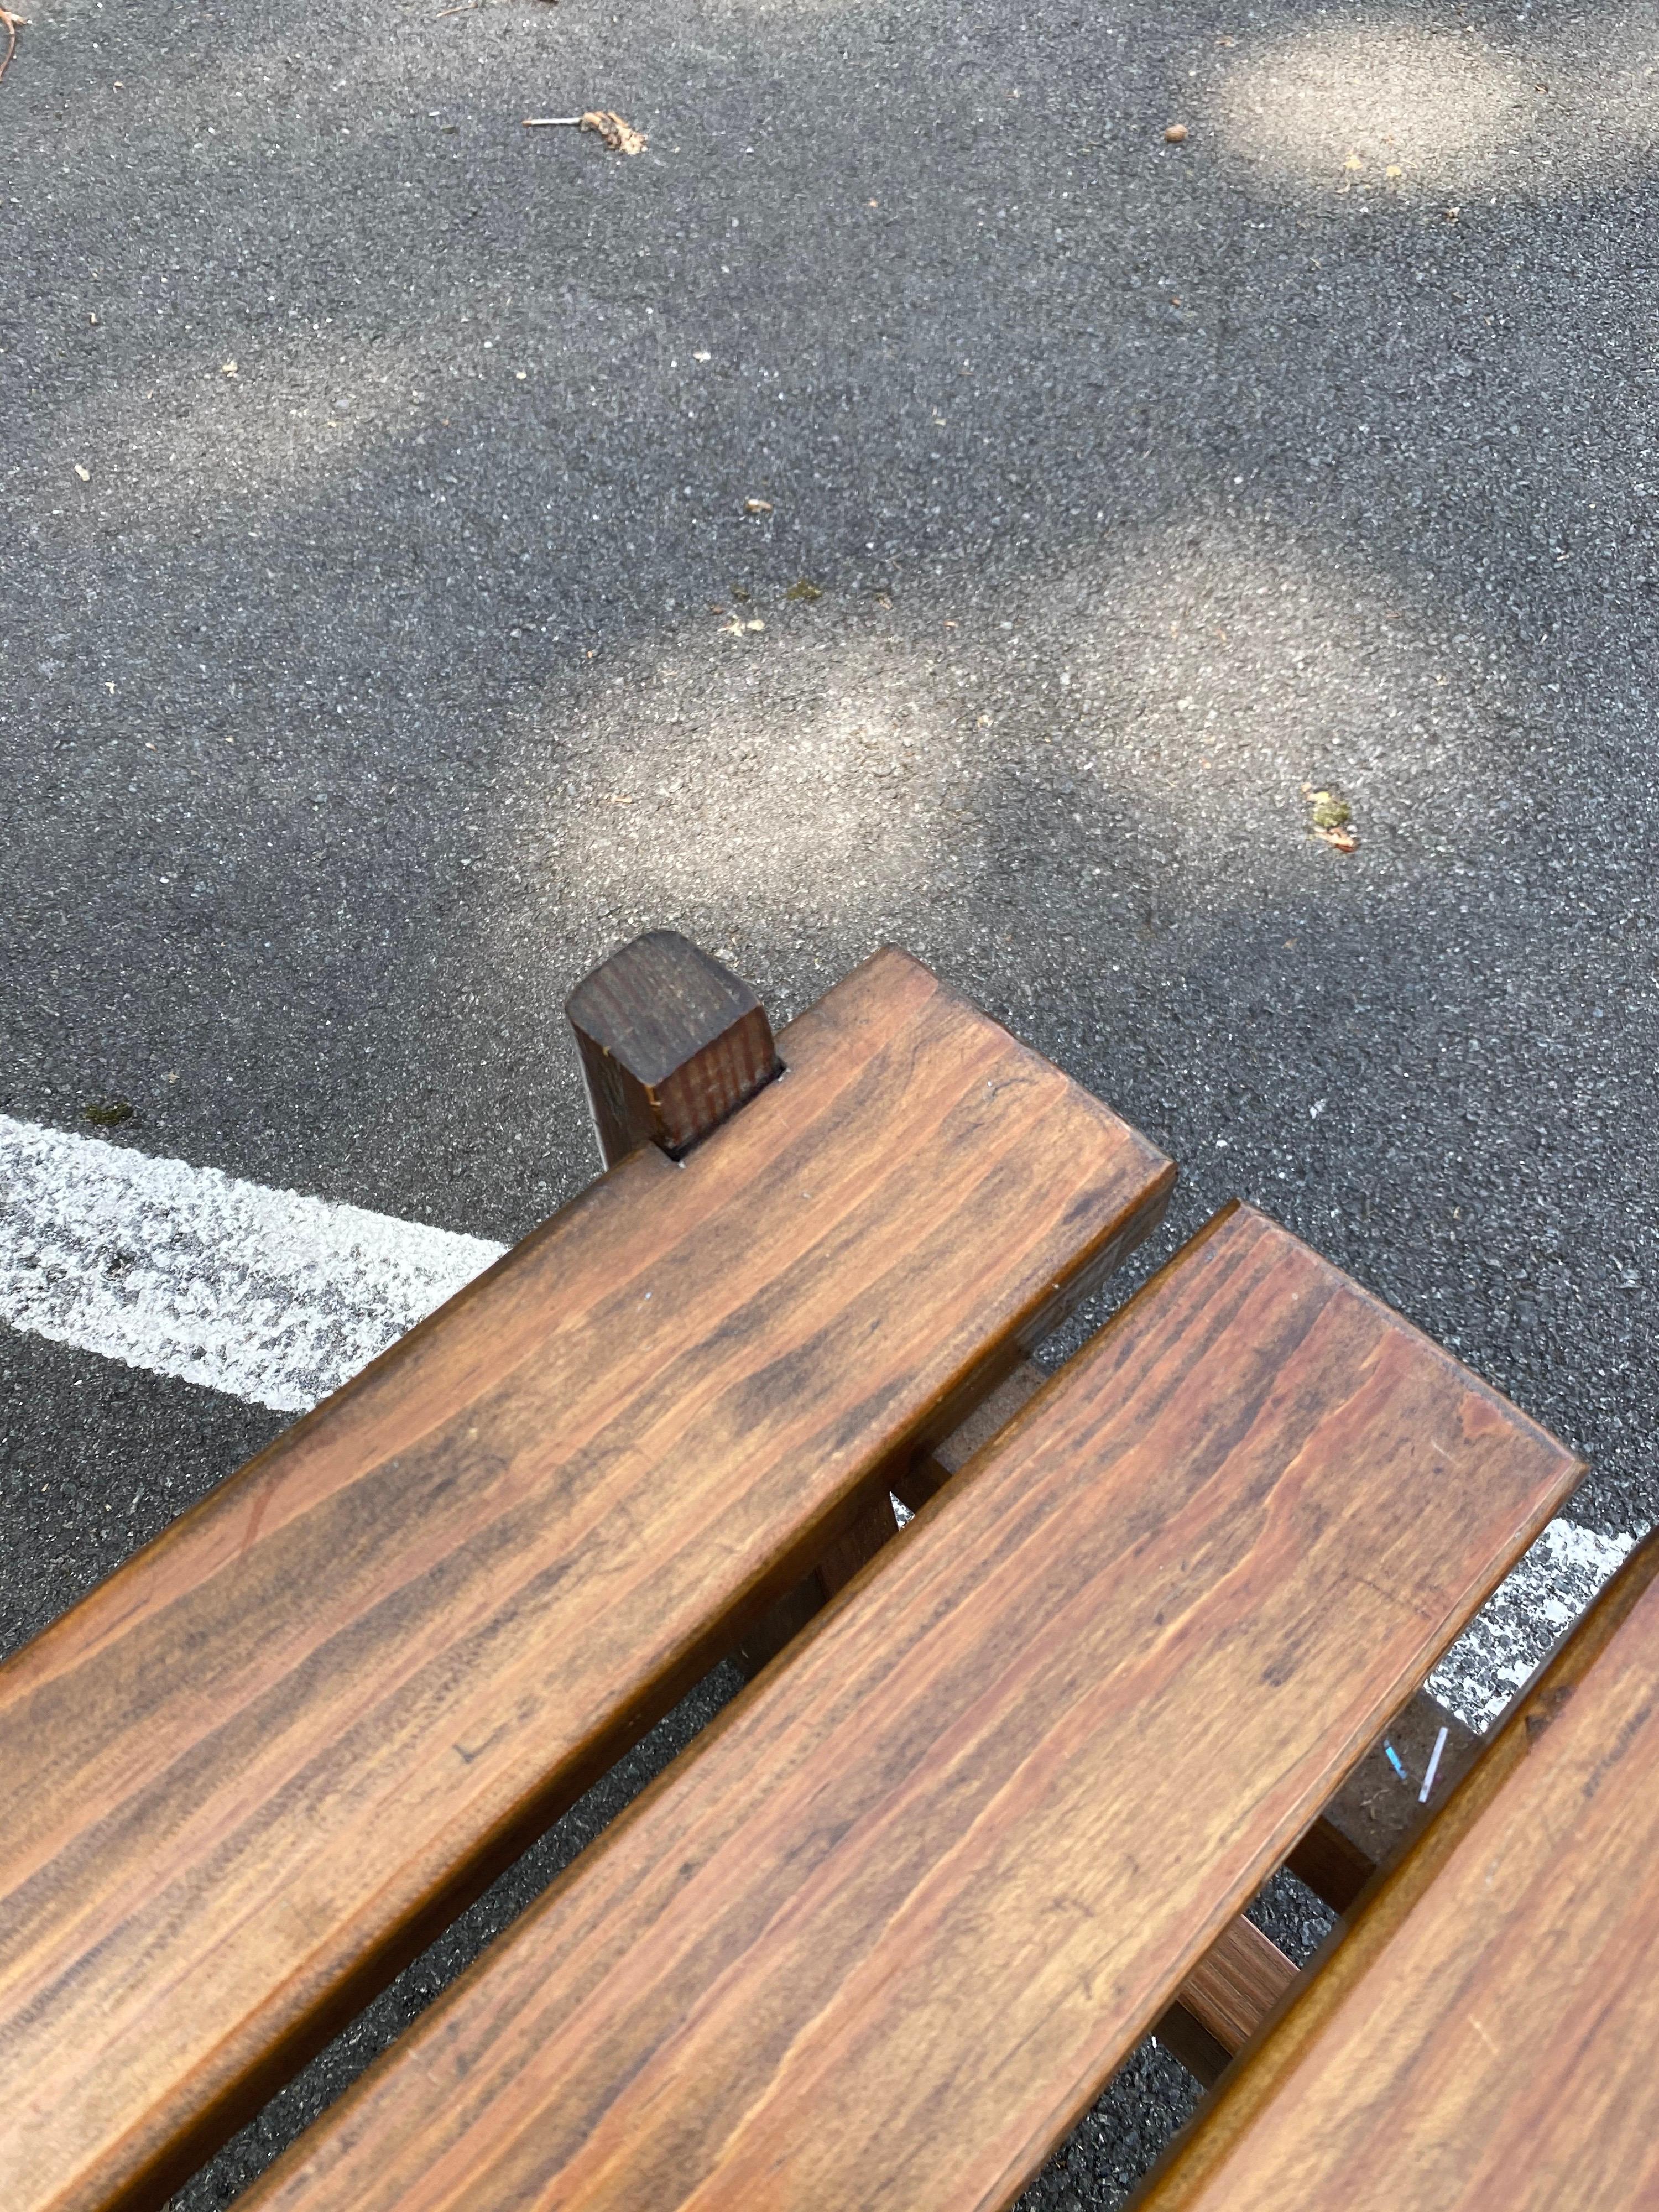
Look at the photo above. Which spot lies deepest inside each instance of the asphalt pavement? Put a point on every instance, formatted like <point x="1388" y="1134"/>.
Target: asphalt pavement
<point x="912" y="500"/>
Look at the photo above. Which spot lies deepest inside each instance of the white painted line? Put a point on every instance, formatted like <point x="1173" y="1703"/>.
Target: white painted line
<point x="266" y="1294"/>
<point x="280" y="1298"/>
<point x="1523" y="1619"/>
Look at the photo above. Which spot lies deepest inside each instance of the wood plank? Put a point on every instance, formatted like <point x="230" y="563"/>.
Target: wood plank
<point x="257" y="1769"/>
<point x="885" y="1932"/>
<point x="1482" y="2039"/>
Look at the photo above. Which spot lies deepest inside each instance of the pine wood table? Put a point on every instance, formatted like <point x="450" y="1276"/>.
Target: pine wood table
<point x="990" y="1809"/>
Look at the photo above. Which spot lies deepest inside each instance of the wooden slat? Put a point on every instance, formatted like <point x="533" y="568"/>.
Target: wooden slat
<point x="1482" y="2040"/>
<point x="1366" y="1826"/>
<point x="885" y="1932"/>
<point x="256" y="1770"/>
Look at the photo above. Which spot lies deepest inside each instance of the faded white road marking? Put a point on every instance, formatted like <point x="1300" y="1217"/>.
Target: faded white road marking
<point x="280" y="1298"/>
<point x="1524" y="1619"/>
<point x="266" y="1294"/>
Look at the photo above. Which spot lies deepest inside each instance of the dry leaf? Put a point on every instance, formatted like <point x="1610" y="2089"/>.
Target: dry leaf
<point x="1176" y="135"/>
<point x="757" y="506"/>
<point x="620" y="137"/>
<point x="11" y="25"/>
<point x="1332" y="819"/>
<point x="802" y="589"/>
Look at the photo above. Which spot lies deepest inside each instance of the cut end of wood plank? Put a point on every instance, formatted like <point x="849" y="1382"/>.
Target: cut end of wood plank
<point x="1224" y="2000"/>
<point x="671" y="1044"/>
<point x="1236" y="1983"/>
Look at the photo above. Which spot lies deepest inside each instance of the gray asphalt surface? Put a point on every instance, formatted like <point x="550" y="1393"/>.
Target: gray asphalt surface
<point x="373" y="476"/>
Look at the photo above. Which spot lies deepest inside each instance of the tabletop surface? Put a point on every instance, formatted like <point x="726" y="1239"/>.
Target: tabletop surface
<point x="259" y="1767"/>
<point x="885" y="1930"/>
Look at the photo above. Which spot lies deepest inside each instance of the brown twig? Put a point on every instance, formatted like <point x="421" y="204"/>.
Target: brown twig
<point x="13" y="24"/>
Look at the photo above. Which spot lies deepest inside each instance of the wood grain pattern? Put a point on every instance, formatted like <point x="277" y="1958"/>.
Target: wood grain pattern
<point x="783" y="1620"/>
<point x="1482" y="2040"/>
<point x="882" y="1935"/>
<point x="263" y="1764"/>
<point x="1227" y="1995"/>
<point x="670" y="1042"/>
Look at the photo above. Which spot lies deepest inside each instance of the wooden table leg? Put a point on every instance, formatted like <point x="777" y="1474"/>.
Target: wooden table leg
<point x="671" y="1042"/>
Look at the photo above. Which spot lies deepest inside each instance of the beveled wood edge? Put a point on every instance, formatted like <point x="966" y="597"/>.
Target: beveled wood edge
<point x="929" y="1472"/>
<point x="913" y="1484"/>
<point x="1347" y="1844"/>
<point x="1270" y="2062"/>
